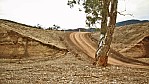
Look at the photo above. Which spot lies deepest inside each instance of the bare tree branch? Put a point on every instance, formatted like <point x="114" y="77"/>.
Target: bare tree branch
<point x="125" y="14"/>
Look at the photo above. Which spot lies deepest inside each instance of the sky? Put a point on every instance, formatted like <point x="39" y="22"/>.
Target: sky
<point x="49" y="12"/>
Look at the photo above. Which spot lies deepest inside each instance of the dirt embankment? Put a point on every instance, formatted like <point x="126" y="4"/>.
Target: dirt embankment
<point x="131" y="41"/>
<point x="17" y="41"/>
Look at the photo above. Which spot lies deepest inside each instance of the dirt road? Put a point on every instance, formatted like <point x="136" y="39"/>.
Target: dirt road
<point x="85" y="44"/>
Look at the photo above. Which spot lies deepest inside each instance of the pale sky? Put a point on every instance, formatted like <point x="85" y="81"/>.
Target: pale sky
<point x="49" y="12"/>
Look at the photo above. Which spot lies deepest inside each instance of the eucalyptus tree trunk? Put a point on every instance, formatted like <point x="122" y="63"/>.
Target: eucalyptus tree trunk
<point x="101" y="55"/>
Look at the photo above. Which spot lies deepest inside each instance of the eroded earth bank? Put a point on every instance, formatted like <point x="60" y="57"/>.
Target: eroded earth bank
<point x="35" y="56"/>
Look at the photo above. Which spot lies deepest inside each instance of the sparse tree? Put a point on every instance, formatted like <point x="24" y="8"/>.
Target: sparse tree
<point x="55" y="27"/>
<point x="104" y="11"/>
<point x="39" y="26"/>
<point x="50" y="28"/>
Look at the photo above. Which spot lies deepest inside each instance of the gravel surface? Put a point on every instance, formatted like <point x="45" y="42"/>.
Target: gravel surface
<point x="67" y="69"/>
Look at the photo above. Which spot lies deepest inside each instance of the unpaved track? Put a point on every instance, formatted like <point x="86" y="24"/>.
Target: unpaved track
<point x="83" y="42"/>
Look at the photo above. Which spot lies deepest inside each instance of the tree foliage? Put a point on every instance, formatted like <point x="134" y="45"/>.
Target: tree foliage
<point x="92" y="8"/>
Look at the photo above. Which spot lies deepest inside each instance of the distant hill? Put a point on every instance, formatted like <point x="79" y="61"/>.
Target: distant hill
<point x="84" y="30"/>
<point x="128" y="22"/>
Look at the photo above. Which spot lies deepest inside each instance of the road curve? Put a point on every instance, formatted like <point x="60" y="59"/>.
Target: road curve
<point x="83" y="42"/>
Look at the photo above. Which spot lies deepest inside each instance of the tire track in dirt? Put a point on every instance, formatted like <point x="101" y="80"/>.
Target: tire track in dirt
<point x="90" y="46"/>
<point x="87" y="46"/>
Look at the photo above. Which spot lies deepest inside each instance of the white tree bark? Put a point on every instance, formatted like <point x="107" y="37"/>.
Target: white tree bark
<point x="100" y="45"/>
<point x="101" y="55"/>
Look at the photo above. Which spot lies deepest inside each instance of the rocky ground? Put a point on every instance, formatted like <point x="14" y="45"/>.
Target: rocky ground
<point x="67" y="69"/>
